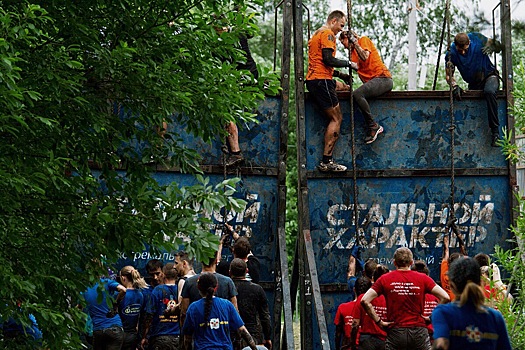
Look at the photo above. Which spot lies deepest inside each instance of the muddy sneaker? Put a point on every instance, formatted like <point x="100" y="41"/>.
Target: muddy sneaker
<point x="234" y="159"/>
<point x="372" y="134"/>
<point x="331" y="166"/>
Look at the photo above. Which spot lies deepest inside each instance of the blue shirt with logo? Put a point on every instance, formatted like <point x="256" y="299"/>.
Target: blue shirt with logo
<point x="130" y="309"/>
<point x="214" y="332"/>
<point x="161" y="298"/>
<point x="468" y="329"/>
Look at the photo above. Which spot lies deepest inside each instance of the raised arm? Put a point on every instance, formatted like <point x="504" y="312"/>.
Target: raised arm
<point x="449" y="74"/>
<point x="440" y="294"/>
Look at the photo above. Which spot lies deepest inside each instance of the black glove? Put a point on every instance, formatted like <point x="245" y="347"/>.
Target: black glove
<point x="492" y="46"/>
<point x="457" y="92"/>
<point x="343" y="76"/>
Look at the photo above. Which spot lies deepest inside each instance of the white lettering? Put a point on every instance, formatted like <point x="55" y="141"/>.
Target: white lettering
<point x="419" y="237"/>
<point x="330" y="216"/>
<point x="335" y="238"/>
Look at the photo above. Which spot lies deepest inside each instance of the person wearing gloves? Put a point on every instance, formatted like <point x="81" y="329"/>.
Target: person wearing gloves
<point x="494" y="289"/>
<point x="322" y="86"/>
<point x="470" y="54"/>
<point x="376" y="78"/>
<point x="467" y="323"/>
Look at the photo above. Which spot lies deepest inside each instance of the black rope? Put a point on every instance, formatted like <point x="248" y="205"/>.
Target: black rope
<point x="352" y="128"/>
<point x="440" y="48"/>
<point x="452" y="222"/>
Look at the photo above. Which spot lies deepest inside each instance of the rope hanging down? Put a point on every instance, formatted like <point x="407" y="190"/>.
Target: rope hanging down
<point x="352" y="129"/>
<point x="451" y="224"/>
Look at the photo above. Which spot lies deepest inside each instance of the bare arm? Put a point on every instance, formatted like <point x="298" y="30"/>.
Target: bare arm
<point x="353" y="334"/>
<point x="449" y="74"/>
<point x="180" y="285"/>
<point x="440" y="294"/>
<point x="234" y="302"/>
<point x="147" y="323"/>
<point x="247" y="337"/>
<point x="446" y="251"/>
<point x="183" y="308"/>
<point x="441" y="344"/>
<point x="361" y="53"/>
<point x="366" y="303"/>
<point x="187" y="342"/>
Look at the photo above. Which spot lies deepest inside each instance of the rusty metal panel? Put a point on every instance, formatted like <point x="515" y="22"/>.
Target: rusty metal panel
<point x="409" y="212"/>
<point x="416" y="135"/>
<point x="259" y="142"/>
<point x="403" y="182"/>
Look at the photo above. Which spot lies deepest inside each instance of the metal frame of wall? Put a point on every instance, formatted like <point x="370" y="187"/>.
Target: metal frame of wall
<point x="282" y="290"/>
<point x="305" y="279"/>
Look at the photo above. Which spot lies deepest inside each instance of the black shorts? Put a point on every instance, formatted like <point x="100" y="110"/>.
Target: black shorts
<point x="323" y="92"/>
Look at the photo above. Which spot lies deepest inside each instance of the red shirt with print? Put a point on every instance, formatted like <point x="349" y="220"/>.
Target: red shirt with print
<point x="404" y="291"/>
<point x="344" y="316"/>
<point x="431" y="301"/>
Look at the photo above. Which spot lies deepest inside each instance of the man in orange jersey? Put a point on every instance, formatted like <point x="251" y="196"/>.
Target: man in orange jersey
<point x="320" y="83"/>
<point x="376" y="78"/>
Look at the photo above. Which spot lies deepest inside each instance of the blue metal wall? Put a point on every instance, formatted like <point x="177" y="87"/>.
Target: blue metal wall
<point x="404" y="188"/>
<point x="260" y="145"/>
<point x="416" y="135"/>
<point x="259" y="142"/>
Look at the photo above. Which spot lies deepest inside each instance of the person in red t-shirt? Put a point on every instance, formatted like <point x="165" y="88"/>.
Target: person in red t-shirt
<point x="343" y="326"/>
<point x="431" y="301"/>
<point x="404" y="292"/>
<point x="345" y="334"/>
<point x="376" y="78"/>
<point x="371" y="336"/>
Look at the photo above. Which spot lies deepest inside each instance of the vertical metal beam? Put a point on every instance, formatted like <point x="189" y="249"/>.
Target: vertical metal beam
<point x="282" y="297"/>
<point x="305" y="304"/>
<point x="508" y="81"/>
<point x="309" y="283"/>
<point x="412" y="44"/>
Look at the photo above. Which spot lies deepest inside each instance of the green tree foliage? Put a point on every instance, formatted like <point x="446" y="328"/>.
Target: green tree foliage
<point x="513" y="260"/>
<point x="387" y="26"/>
<point x="88" y="84"/>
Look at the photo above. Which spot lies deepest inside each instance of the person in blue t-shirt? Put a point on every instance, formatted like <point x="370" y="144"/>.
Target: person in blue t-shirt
<point x="130" y="305"/>
<point x="108" y="333"/>
<point x="13" y="334"/>
<point x="162" y="314"/>
<point x="470" y="54"/>
<point x="210" y="320"/>
<point x="466" y="323"/>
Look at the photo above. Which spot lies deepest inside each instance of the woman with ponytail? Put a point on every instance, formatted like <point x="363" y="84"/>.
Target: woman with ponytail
<point x="130" y="305"/>
<point x="210" y="320"/>
<point x="466" y="323"/>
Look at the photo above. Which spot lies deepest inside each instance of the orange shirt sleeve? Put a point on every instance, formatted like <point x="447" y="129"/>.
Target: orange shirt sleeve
<point x="322" y="39"/>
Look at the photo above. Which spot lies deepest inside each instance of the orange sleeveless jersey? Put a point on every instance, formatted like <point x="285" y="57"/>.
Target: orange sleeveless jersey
<point x="322" y="39"/>
<point x="373" y="67"/>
